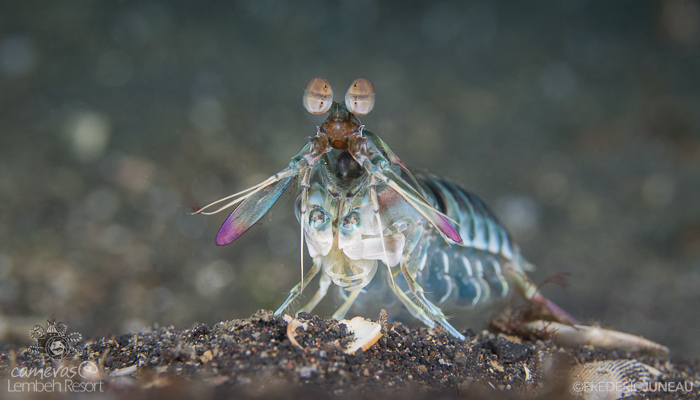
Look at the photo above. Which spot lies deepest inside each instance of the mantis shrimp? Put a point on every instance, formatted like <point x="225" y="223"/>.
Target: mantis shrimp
<point x="359" y="205"/>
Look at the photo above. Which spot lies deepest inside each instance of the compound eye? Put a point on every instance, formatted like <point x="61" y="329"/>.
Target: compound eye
<point x="360" y="97"/>
<point x="318" y="96"/>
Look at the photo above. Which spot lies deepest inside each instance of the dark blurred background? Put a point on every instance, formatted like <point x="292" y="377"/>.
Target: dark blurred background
<point x="578" y="121"/>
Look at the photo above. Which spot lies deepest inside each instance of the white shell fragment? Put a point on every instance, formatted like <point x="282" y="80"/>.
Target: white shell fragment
<point x="611" y="379"/>
<point x="292" y="325"/>
<point x="366" y="334"/>
<point x="577" y="335"/>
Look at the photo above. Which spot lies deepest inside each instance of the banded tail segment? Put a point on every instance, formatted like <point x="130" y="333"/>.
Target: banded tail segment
<point x="476" y="223"/>
<point x="477" y="269"/>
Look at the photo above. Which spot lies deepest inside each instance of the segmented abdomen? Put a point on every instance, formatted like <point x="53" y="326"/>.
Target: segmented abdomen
<point x="462" y="275"/>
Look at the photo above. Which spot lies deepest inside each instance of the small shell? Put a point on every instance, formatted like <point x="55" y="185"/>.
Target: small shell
<point x="292" y="325"/>
<point x="577" y="335"/>
<point x="318" y="96"/>
<point x="366" y="334"/>
<point x="360" y="97"/>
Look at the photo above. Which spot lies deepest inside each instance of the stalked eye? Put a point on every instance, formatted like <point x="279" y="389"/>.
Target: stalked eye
<point x="318" y="219"/>
<point x="350" y="221"/>
<point x="318" y="96"/>
<point x="360" y="97"/>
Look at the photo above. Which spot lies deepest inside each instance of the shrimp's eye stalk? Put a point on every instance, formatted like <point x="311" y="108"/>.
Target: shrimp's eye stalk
<point x="318" y="96"/>
<point x="360" y="97"/>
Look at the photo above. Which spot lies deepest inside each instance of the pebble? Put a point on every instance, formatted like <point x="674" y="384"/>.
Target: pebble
<point x="307" y="372"/>
<point x="508" y="351"/>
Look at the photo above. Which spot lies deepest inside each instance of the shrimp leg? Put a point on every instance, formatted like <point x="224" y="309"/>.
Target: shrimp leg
<point x="299" y="288"/>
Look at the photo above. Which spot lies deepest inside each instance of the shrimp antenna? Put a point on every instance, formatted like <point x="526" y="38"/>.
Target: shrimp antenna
<point x="302" y="218"/>
<point x="301" y="253"/>
<point x="244" y="194"/>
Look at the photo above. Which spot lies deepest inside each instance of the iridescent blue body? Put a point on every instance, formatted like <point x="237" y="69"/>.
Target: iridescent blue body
<point x="426" y="270"/>
<point x="476" y="270"/>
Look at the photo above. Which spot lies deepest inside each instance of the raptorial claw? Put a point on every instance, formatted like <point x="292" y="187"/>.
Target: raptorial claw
<point x="358" y="148"/>
<point x="249" y="212"/>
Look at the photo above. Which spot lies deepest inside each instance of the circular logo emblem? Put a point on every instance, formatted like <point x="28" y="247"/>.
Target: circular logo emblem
<point x="57" y="347"/>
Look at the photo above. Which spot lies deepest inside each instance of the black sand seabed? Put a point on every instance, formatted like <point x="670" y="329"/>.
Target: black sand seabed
<point x="253" y="358"/>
